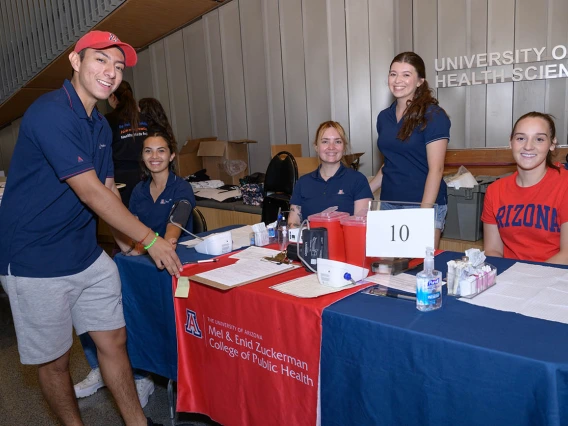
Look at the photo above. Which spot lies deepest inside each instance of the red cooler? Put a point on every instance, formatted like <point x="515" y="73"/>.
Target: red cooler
<point x="355" y="236"/>
<point x="332" y="222"/>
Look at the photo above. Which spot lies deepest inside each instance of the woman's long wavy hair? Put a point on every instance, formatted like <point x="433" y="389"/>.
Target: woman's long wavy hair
<point x="415" y="114"/>
<point x="549" y="118"/>
<point x="127" y="108"/>
<point x="156" y="117"/>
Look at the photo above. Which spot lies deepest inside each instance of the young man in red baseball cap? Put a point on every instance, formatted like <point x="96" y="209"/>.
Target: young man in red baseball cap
<point x="61" y="178"/>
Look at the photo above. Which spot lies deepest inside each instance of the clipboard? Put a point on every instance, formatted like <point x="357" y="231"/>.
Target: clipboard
<point x="224" y="287"/>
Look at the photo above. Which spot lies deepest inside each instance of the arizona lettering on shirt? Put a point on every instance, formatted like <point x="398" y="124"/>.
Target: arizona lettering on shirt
<point x="536" y="216"/>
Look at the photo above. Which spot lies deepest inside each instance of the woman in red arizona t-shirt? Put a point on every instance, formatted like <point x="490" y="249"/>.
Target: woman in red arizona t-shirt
<point x="525" y="215"/>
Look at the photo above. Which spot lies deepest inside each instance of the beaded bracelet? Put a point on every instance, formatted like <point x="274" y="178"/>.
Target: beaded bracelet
<point x="152" y="243"/>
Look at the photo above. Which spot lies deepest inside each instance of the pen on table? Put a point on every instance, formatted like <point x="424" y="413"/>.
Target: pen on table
<point x="400" y="296"/>
<point x="201" y="261"/>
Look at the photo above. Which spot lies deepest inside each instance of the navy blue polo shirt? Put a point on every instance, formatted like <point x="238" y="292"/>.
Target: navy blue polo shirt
<point x="313" y="194"/>
<point x="45" y="229"/>
<point x="155" y="214"/>
<point x="406" y="162"/>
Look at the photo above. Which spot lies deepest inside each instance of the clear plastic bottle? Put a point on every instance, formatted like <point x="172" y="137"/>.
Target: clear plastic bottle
<point x="282" y="233"/>
<point x="429" y="285"/>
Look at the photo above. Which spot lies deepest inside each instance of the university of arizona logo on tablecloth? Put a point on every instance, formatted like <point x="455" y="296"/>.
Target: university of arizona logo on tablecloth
<point x="191" y="324"/>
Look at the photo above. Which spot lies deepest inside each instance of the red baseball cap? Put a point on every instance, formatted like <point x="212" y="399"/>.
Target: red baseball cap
<point x="104" y="39"/>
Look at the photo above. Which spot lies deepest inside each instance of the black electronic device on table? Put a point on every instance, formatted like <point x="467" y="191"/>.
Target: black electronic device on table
<point x="314" y="245"/>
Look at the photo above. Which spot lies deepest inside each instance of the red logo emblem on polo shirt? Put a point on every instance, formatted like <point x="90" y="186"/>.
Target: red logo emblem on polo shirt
<point x="341" y="192"/>
<point x="79" y="160"/>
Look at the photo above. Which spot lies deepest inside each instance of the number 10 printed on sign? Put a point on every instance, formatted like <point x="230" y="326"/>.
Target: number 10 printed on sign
<point x="400" y="233"/>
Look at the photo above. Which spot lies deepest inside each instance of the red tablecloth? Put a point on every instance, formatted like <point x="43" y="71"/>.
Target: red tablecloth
<point x="250" y="355"/>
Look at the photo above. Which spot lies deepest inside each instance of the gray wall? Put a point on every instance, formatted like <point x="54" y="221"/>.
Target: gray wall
<point x="272" y="70"/>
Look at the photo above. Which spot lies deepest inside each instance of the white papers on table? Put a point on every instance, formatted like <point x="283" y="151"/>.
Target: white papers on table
<point x="254" y="252"/>
<point x="402" y="282"/>
<point x="531" y="290"/>
<point x="216" y="194"/>
<point x="309" y="286"/>
<point x="243" y="272"/>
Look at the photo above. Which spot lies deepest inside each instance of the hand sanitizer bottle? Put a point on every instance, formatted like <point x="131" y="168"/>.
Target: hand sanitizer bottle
<point x="429" y="285"/>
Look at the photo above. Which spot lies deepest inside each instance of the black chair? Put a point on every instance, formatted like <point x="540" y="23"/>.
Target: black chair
<point x="199" y="222"/>
<point x="281" y="176"/>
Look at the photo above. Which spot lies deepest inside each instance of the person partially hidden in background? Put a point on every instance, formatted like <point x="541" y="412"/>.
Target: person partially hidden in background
<point x="129" y="129"/>
<point x="151" y="201"/>
<point x="332" y="183"/>
<point x="55" y="274"/>
<point x="525" y="215"/>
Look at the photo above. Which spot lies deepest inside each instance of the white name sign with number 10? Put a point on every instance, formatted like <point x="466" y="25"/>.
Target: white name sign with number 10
<point x="400" y="232"/>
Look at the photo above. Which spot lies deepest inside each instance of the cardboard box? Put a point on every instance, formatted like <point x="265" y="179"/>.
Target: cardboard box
<point x="217" y="157"/>
<point x="187" y="161"/>
<point x="293" y="148"/>
<point x="306" y="164"/>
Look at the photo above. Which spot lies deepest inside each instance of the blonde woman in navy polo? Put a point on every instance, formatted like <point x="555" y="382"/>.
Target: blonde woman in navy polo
<point x="332" y="183"/>
<point x="413" y="136"/>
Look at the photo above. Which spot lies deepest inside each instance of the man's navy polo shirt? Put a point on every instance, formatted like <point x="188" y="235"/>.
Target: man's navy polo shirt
<point x="313" y="194"/>
<point x="45" y="229"/>
<point x="156" y="214"/>
<point x="406" y="162"/>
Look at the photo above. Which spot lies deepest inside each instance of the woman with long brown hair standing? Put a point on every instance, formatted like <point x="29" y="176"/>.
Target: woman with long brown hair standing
<point x="413" y="136"/>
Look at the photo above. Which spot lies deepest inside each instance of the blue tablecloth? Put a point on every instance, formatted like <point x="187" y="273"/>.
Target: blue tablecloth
<point x="149" y="310"/>
<point x="385" y="363"/>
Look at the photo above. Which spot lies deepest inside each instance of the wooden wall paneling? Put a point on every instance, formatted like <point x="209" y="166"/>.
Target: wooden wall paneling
<point x="214" y="61"/>
<point x="274" y="78"/>
<point x="159" y="75"/>
<point x="453" y="42"/>
<point x="258" y="129"/>
<point x="317" y="63"/>
<point x="217" y="218"/>
<point x="500" y="37"/>
<point x="142" y="76"/>
<point x="337" y="45"/>
<point x="556" y="97"/>
<point x="233" y="77"/>
<point x="359" y="78"/>
<point x="293" y="73"/>
<point x="382" y="50"/>
<point x="197" y="81"/>
<point x="403" y="16"/>
<point x="177" y="87"/>
<point x="425" y="23"/>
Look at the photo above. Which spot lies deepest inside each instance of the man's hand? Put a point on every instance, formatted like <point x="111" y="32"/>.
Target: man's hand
<point x="164" y="255"/>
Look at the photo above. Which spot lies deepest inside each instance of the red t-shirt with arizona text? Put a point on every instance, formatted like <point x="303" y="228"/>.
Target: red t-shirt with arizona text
<point x="529" y="219"/>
